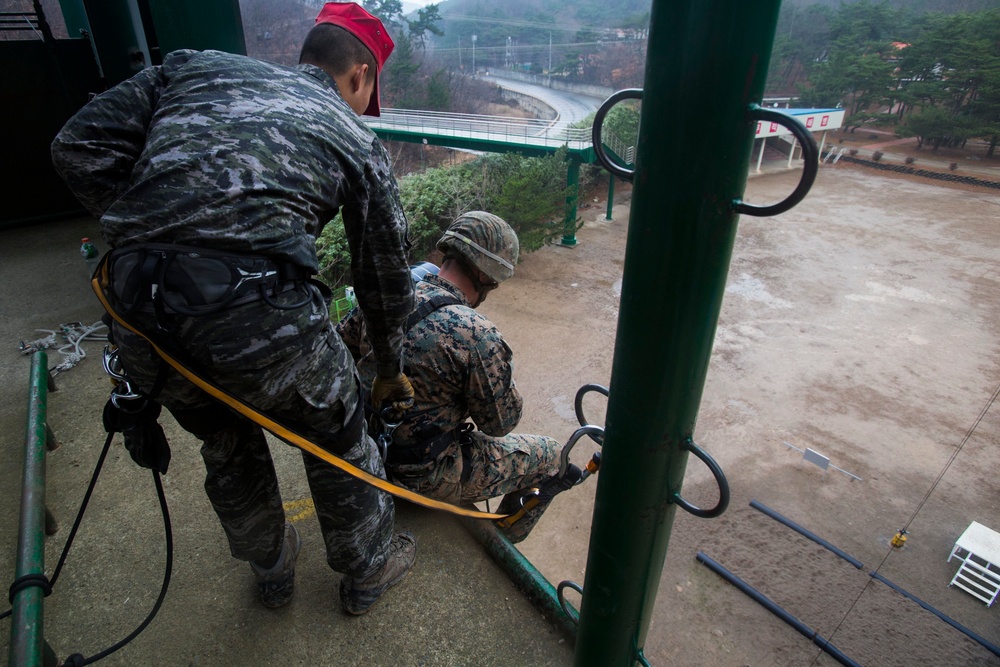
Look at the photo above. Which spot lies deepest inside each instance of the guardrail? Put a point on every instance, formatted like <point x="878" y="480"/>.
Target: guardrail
<point x="27" y="643"/>
<point x="524" y="131"/>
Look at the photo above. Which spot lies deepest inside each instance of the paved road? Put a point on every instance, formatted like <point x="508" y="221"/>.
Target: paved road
<point x="571" y="107"/>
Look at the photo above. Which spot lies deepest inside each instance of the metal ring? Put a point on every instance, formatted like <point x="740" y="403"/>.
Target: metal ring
<point x="562" y="601"/>
<point x="578" y="404"/>
<point x="602" y="111"/>
<point x="720" y="478"/>
<point x="596" y="434"/>
<point x="810" y="158"/>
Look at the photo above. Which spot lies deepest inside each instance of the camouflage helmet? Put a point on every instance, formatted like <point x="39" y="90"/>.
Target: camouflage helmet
<point x="485" y="241"/>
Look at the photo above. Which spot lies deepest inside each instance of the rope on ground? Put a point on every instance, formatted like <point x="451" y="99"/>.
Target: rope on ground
<point x="72" y="351"/>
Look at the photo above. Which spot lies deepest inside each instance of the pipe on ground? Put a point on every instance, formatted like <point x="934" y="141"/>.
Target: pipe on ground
<point x="805" y="533"/>
<point x="766" y="602"/>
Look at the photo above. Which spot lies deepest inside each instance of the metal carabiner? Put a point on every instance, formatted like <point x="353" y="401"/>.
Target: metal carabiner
<point x="383" y="438"/>
<point x="113" y="365"/>
<point x="123" y="391"/>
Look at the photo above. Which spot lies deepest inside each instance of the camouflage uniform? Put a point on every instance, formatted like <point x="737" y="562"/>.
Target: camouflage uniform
<point x="460" y="367"/>
<point x="226" y="153"/>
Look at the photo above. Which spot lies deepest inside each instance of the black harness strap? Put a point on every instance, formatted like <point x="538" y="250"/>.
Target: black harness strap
<point x="427" y="307"/>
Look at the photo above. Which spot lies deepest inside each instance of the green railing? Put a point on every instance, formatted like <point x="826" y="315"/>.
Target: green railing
<point x="27" y="642"/>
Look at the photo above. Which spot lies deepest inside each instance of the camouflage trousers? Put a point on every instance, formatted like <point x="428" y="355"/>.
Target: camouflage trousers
<point x="292" y="366"/>
<point x="494" y="467"/>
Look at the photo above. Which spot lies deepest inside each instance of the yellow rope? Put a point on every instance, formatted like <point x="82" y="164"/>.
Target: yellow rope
<point x="282" y="432"/>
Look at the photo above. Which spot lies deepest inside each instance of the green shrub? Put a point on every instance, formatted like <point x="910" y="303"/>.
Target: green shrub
<point x="529" y="193"/>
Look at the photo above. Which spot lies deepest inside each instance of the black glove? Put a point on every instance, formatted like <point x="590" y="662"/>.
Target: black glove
<point x="395" y="391"/>
<point x="554" y="485"/>
<point x="144" y="437"/>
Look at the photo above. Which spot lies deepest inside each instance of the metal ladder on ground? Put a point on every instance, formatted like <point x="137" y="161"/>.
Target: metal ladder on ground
<point x="977" y="579"/>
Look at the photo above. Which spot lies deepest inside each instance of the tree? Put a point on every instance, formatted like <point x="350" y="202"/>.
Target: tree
<point x="439" y="91"/>
<point x="400" y="84"/>
<point x="427" y="20"/>
<point x="952" y="72"/>
<point x="930" y="124"/>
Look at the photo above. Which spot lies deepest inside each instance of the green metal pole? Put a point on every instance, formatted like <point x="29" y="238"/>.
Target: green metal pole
<point x="611" y="195"/>
<point x="75" y="17"/>
<point x="27" y="642"/>
<point x="572" y="195"/>
<point x="706" y="63"/>
<point x="198" y="24"/>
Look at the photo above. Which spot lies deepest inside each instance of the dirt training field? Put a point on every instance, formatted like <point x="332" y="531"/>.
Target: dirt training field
<point x="861" y="324"/>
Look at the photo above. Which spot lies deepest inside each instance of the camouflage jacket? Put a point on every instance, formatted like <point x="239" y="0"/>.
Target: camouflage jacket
<point x="222" y="151"/>
<point x="459" y="365"/>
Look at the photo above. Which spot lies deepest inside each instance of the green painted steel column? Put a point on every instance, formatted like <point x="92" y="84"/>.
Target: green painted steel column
<point x="611" y="195"/>
<point x="113" y="29"/>
<point x="707" y="62"/>
<point x="75" y="17"/>
<point x="198" y="24"/>
<point x="27" y="640"/>
<point x="572" y="197"/>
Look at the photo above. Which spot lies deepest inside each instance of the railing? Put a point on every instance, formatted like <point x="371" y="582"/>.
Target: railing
<point x="27" y="642"/>
<point x="19" y="22"/>
<point x="524" y="131"/>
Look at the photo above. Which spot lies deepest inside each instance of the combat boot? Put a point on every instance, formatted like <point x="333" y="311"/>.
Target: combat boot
<point x="277" y="583"/>
<point x="358" y="595"/>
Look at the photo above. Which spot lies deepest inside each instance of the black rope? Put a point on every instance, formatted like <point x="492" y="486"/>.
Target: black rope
<point x="76" y="659"/>
<point x="163" y="587"/>
<point x="83" y="507"/>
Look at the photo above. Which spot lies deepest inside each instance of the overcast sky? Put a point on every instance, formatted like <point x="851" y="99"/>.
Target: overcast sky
<point x="410" y="5"/>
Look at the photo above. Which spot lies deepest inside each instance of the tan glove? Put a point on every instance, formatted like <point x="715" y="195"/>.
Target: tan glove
<point x="395" y="392"/>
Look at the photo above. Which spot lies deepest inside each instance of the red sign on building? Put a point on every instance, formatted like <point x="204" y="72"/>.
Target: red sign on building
<point x="824" y="121"/>
<point x="809" y="121"/>
<point x="774" y="127"/>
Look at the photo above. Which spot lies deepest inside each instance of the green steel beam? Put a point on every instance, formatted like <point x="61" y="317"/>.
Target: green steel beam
<point x="113" y="32"/>
<point x="75" y="17"/>
<point x="707" y="62"/>
<point x="572" y="198"/>
<point x="585" y="155"/>
<point x="27" y="642"/>
<point x="525" y="576"/>
<point x="198" y="24"/>
<point x="611" y="195"/>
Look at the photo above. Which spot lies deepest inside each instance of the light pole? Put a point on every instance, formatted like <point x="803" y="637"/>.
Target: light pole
<point x="473" y="56"/>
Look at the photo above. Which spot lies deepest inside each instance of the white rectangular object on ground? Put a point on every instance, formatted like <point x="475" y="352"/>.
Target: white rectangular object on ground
<point x="980" y="540"/>
<point x="812" y="456"/>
